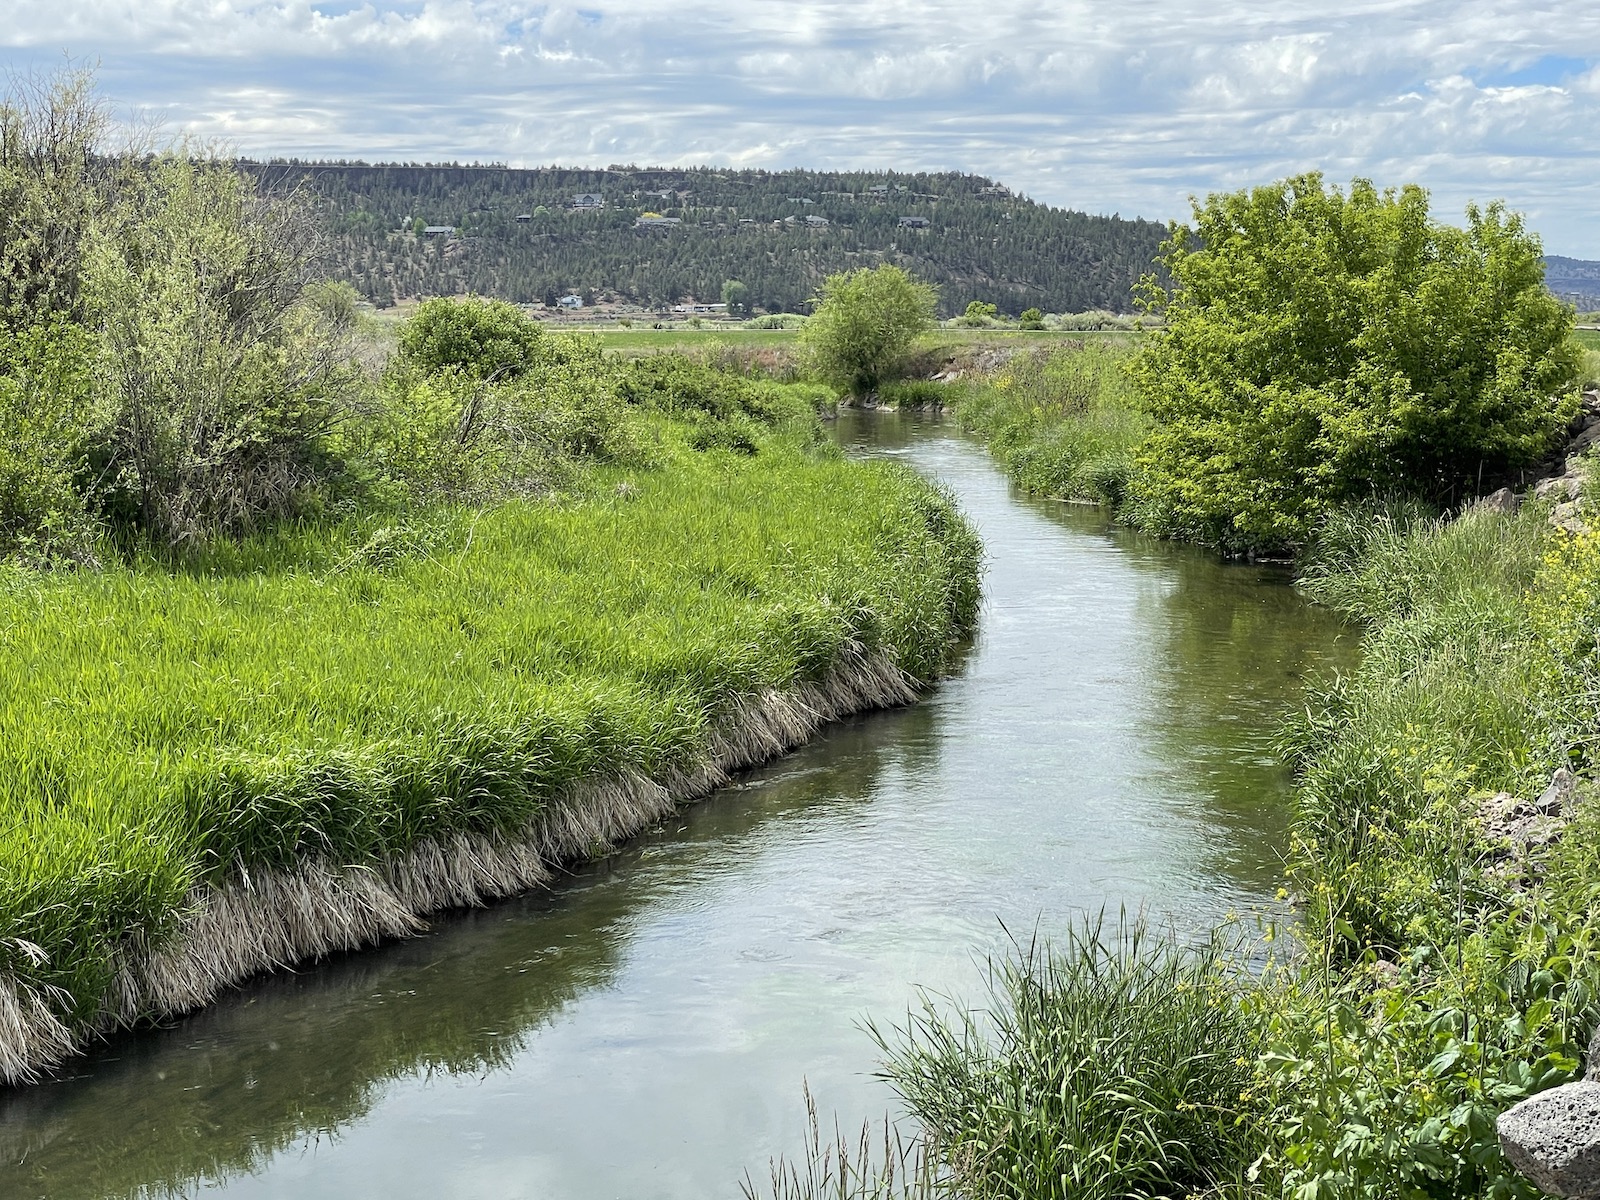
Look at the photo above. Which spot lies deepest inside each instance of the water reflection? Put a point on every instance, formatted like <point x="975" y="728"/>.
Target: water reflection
<point x="643" y="1029"/>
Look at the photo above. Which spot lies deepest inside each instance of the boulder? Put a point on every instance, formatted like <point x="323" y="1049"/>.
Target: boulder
<point x="1559" y="487"/>
<point x="1554" y="1139"/>
<point x="1503" y="501"/>
<point x="1566" y="517"/>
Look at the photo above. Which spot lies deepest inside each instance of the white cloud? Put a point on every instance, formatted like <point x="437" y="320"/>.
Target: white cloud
<point x="1107" y="105"/>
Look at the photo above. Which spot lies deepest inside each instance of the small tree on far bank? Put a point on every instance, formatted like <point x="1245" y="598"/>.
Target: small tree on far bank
<point x="1321" y="348"/>
<point x="864" y="323"/>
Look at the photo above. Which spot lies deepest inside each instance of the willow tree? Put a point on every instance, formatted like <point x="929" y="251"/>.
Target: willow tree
<point x="864" y="323"/>
<point x="1321" y="347"/>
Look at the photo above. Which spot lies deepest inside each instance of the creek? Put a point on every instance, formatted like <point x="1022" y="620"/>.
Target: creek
<point x="644" y="1028"/>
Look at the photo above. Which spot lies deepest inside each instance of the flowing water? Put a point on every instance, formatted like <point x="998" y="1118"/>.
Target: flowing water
<point x="644" y="1029"/>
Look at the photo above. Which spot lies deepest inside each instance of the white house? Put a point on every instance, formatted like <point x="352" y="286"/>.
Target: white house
<point x="588" y="200"/>
<point x="570" y="302"/>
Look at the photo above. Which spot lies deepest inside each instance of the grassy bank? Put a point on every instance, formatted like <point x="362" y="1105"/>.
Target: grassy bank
<point x="318" y="712"/>
<point x="1064" y="424"/>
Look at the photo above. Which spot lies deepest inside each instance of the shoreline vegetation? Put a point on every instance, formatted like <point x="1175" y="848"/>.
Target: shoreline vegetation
<point x="312" y="628"/>
<point x="1443" y="962"/>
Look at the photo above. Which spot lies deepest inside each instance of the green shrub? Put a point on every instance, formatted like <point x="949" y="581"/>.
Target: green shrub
<point x="483" y="339"/>
<point x="47" y="411"/>
<point x="865" y="323"/>
<point x="1321" y="348"/>
<point x="1118" y="1065"/>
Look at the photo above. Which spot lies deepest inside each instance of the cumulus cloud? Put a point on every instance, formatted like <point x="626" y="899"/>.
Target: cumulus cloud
<point x="1104" y="105"/>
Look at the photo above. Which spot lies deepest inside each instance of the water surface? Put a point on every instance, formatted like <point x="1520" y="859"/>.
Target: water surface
<point x="643" y="1029"/>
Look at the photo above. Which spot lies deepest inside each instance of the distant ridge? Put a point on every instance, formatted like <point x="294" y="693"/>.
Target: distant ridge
<point x="659" y="236"/>
<point x="1576" y="280"/>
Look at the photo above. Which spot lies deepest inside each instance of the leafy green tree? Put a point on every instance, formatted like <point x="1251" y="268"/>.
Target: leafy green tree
<point x="979" y="314"/>
<point x="737" y="297"/>
<point x="1322" y="347"/>
<point x="1031" y="318"/>
<point x="864" y="323"/>
<point x="485" y="339"/>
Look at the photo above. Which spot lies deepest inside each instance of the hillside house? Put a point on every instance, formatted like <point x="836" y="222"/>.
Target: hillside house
<point x="585" y="200"/>
<point x="570" y="302"/>
<point x="438" y="231"/>
<point x="913" y="222"/>
<point x="524" y="216"/>
<point x="816" y="222"/>
<point x="651" y="221"/>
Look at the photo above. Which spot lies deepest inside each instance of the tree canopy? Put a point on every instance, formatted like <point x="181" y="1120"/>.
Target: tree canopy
<point x="1322" y="347"/>
<point x="865" y="322"/>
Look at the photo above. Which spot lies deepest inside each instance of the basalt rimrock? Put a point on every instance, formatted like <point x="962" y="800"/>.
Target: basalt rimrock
<point x="1554" y="1137"/>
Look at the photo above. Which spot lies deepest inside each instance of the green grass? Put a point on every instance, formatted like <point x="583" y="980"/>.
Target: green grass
<point x="1063" y="424"/>
<point x="1589" y="339"/>
<point x="348" y="693"/>
<point x="1109" y="1067"/>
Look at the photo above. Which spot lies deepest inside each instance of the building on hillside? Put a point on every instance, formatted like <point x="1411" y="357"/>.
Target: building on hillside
<point x="914" y="222"/>
<point x="652" y="221"/>
<point x="588" y="200"/>
<point x="699" y="308"/>
<point x="572" y="301"/>
<point x="879" y="189"/>
<point x="524" y="216"/>
<point x="816" y="222"/>
<point x="438" y="231"/>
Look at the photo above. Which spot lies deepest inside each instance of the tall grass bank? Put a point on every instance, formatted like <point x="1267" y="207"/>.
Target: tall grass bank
<point x="208" y="772"/>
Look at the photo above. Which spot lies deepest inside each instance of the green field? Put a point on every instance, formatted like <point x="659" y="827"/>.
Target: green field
<point x="341" y="697"/>
<point x="1589" y="339"/>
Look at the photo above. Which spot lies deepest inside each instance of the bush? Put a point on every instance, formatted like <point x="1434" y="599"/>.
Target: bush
<point x="484" y="339"/>
<point x="1116" y="1066"/>
<point x="1321" y="348"/>
<point x="48" y="414"/>
<point x="221" y="375"/>
<point x="1031" y="318"/>
<point x="865" y="322"/>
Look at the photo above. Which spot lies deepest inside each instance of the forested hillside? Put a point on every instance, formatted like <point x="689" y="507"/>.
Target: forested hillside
<point x="1574" y="279"/>
<point x="517" y="235"/>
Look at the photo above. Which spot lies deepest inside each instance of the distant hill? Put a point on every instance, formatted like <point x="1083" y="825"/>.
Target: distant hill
<point x="1574" y="279"/>
<point x="525" y="235"/>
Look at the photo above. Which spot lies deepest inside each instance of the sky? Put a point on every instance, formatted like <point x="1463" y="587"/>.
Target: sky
<point x="1125" y="106"/>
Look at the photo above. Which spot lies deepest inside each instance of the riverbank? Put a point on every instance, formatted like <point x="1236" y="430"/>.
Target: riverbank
<point x="308" y="744"/>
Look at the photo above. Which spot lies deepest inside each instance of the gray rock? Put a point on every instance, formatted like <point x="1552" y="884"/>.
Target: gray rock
<point x="1566" y="517"/>
<point x="1560" y="796"/>
<point x="1585" y="439"/>
<point x="1592" y="1060"/>
<point x="1554" y="1139"/>
<point x="1503" y="501"/>
<point x="1559" y="487"/>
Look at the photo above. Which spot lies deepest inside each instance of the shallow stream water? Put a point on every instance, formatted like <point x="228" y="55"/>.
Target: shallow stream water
<point x="643" y="1030"/>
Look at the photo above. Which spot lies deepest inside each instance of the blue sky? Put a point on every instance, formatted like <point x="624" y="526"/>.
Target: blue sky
<point x="1126" y="106"/>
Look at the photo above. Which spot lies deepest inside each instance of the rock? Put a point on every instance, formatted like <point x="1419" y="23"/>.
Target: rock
<point x="1584" y="440"/>
<point x="1503" y="501"/>
<point x="1559" y="798"/>
<point x="1554" y="1139"/>
<point x="1559" y="487"/>
<point x="1592" y="1059"/>
<point x="1520" y="825"/>
<point x="1566" y="517"/>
